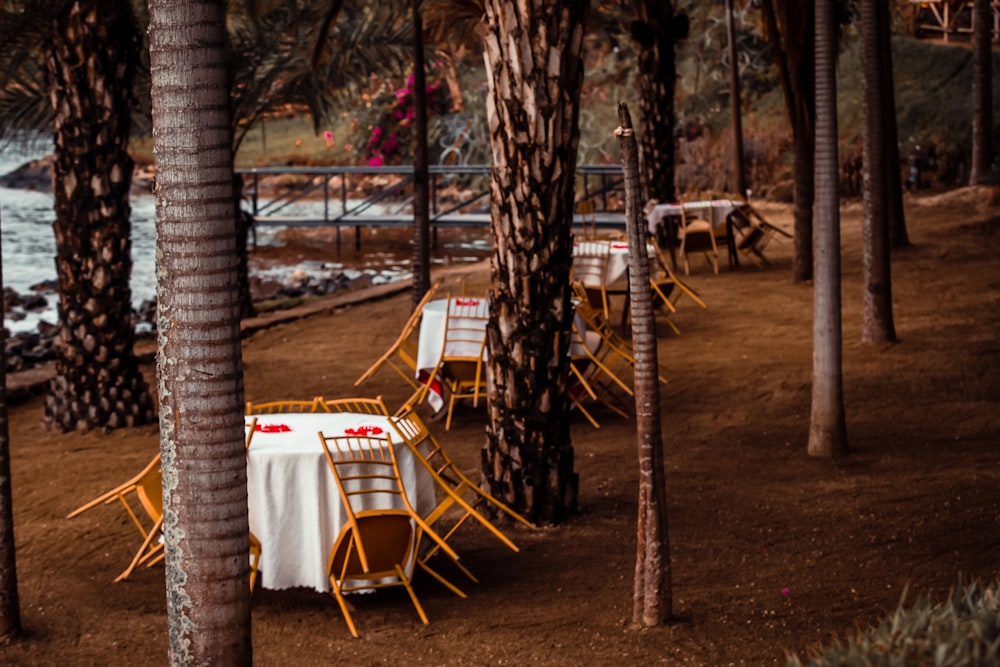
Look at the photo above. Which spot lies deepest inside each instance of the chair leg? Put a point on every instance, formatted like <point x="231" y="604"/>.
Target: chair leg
<point x="344" y="608"/>
<point x="413" y="596"/>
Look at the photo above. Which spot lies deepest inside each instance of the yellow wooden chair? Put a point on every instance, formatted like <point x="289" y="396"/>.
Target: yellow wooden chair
<point x="378" y="546"/>
<point x="368" y="406"/>
<point x="461" y="496"/>
<point x="668" y="289"/>
<point x="697" y="236"/>
<point x="461" y="367"/>
<point x="590" y="269"/>
<point x="285" y="407"/>
<point x="401" y="356"/>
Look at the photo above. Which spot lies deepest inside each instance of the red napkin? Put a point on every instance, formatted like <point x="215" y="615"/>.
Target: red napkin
<point x="620" y="246"/>
<point x="466" y="302"/>
<point x="272" y="428"/>
<point x="363" y="430"/>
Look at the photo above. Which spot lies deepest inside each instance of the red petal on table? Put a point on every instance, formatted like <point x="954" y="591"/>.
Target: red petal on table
<point x="273" y="428"/>
<point x="363" y="430"/>
<point x="620" y="246"/>
<point x="466" y="302"/>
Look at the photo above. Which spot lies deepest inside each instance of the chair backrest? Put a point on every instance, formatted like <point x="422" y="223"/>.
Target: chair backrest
<point x="368" y="406"/>
<point x="426" y="448"/>
<point x="465" y="333"/>
<point x="283" y="407"/>
<point x="590" y="269"/>
<point x="149" y="491"/>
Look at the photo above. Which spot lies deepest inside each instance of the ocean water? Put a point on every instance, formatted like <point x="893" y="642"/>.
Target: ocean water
<point x="26" y="219"/>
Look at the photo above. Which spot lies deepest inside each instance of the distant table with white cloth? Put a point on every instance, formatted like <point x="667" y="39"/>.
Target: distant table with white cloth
<point x="430" y="343"/>
<point x="295" y="509"/>
<point x="715" y="211"/>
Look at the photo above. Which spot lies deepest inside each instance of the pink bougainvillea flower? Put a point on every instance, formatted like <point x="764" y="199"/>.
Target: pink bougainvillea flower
<point x="348" y="147"/>
<point x="786" y="591"/>
<point x="375" y="161"/>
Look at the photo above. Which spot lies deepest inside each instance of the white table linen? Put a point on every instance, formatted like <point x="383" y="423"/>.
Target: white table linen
<point x="430" y="341"/>
<point x="295" y="509"/>
<point x="713" y="210"/>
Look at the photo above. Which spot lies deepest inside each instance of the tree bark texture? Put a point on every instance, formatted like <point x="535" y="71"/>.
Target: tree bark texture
<point x="898" y="236"/>
<point x="10" y="606"/>
<point x="877" y="324"/>
<point x="827" y="424"/>
<point x="90" y="64"/>
<point x="199" y="366"/>
<point x="738" y="181"/>
<point x="652" y="598"/>
<point x="533" y="57"/>
<point x="789" y="25"/>
<point x="982" y="94"/>
<point x="656" y="30"/>
<point x="421" y="173"/>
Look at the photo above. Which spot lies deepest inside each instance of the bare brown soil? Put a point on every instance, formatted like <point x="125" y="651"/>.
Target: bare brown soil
<point x="771" y="550"/>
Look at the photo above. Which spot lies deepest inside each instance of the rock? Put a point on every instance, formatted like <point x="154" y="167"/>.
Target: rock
<point x="33" y="175"/>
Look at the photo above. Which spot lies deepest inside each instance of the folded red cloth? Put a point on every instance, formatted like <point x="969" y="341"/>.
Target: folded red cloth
<point x="466" y="302"/>
<point x="272" y="428"/>
<point x="363" y="430"/>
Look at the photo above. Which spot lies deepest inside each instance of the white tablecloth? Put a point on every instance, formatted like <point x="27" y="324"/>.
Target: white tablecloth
<point x="430" y="341"/>
<point x="294" y="506"/>
<point x="713" y="210"/>
<point x="617" y="252"/>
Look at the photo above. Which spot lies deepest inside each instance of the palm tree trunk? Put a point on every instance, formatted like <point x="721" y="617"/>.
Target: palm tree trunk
<point x="788" y="25"/>
<point x="533" y="55"/>
<point x="199" y="369"/>
<point x="827" y="424"/>
<point x="98" y="383"/>
<point x="653" y="596"/>
<point x="982" y="95"/>
<point x="10" y="606"/>
<point x="421" y="174"/>
<point x="898" y="236"/>
<point x="738" y="183"/>
<point x="877" y="324"/>
<point x="657" y="33"/>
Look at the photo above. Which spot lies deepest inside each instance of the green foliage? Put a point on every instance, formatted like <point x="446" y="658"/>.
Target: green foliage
<point x="964" y="631"/>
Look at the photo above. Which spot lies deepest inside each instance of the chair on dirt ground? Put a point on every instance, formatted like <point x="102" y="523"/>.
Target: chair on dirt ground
<point x="668" y="289"/>
<point x="755" y="233"/>
<point x="401" y="356"/>
<point x="379" y="544"/>
<point x="588" y="219"/>
<point x="590" y="270"/>
<point x="697" y="236"/>
<point x="461" y="367"/>
<point x="462" y="498"/>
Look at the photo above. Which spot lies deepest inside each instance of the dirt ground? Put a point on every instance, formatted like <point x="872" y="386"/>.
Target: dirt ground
<point x="771" y="551"/>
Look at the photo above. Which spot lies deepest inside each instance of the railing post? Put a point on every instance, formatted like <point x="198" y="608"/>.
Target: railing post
<point x="254" y="193"/>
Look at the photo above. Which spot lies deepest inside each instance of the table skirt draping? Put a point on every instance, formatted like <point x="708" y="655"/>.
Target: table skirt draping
<point x="294" y="507"/>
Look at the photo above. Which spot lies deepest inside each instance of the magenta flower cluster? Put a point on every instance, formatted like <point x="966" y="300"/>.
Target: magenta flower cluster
<point x="389" y="138"/>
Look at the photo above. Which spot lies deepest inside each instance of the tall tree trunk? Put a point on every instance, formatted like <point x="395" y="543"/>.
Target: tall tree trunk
<point x="898" y="236"/>
<point x="199" y="367"/>
<point x="421" y="174"/>
<point x="827" y="423"/>
<point x="738" y="182"/>
<point x="10" y="607"/>
<point x="982" y="95"/>
<point x="533" y="56"/>
<point x="653" y="596"/>
<point x="877" y="325"/>
<point x="98" y="383"/>
<point x="788" y="25"/>
<point x="657" y="29"/>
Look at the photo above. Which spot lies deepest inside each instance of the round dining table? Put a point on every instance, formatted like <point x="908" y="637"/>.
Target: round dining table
<point x="295" y="509"/>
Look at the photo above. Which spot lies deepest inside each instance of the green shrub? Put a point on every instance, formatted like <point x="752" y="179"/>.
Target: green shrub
<point x="961" y="632"/>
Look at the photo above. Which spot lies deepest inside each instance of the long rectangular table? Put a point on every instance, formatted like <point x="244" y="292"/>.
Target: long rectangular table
<point x="294" y="507"/>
